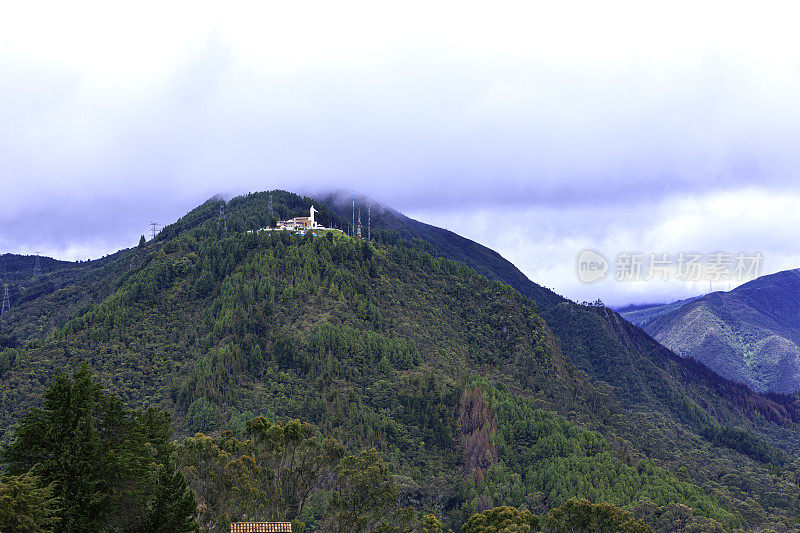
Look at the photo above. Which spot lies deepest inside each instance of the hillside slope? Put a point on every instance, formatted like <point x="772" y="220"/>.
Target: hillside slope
<point x="599" y="341"/>
<point x="41" y="303"/>
<point x="475" y="397"/>
<point x="750" y="334"/>
<point x="392" y="227"/>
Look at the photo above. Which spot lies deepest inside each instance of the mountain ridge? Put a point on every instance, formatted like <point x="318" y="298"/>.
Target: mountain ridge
<point x="377" y="342"/>
<point x="750" y="334"/>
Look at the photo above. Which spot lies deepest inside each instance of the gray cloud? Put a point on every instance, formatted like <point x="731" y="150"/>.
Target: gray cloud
<point x="426" y="122"/>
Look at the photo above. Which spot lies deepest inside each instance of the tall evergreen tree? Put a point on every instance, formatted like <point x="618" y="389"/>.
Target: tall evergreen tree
<point x="73" y="443"/>
<point x="108" y="467"/>
<point x="174" y="507"/>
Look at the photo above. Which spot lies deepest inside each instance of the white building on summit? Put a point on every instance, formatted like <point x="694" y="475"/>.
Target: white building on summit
<point x="300" y="223"/>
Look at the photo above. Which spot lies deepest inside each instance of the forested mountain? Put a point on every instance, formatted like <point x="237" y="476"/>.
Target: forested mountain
<point x="750" y="334"/>
<point x="40" y="303"/>
<point x="598" y="340"/>
<point x="392" y="227"/>
<point x="477" y="387"/>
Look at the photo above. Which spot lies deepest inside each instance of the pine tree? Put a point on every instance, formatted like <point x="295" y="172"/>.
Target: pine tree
<point x="174" y="506"/>
<point x="108" y="467"/>
<point x="62" y="444"/>
<point x="142" y="241"/>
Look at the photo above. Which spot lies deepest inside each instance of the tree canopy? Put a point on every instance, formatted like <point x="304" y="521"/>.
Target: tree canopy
<point x="108" y="467"/>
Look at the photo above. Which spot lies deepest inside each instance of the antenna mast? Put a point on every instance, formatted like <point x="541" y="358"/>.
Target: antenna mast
<point x="37" y="268"/>
<point x="153" y="230"/>
<point x="6" y="300"/>
<point x="222" y="220"/>
<point x="369" y="221"/>
<point x="359" y="222"/>
<point x="353" y="227"/>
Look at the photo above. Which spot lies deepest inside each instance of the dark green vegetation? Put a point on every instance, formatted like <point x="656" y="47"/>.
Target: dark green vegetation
<point x="83" y="462"/>
<point x="573" y="515"/>
<point x="506" y="519"/>
<point x="581" y="515"/>
<point x="392" y="227"/>
<point x="40" y="303"/>
<point x="287" y="471"/>
<point x="474" y="393"/>
<point x="26" y="505"/>
<point x="750" y="334"/>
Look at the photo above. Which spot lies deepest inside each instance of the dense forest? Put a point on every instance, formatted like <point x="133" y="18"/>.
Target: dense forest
<point x="426" y="390"/>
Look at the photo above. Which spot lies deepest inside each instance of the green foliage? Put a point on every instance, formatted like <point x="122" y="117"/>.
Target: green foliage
<point x="501" y="520"/>
<point x="282" y="467"/>
<point x="7" y="358"/>
<point x="364" y="497"/>
<point x="429" y="524"/>
<point x="271" y="475"/>
<point x="142" y="242"/>
<point x="100" y="460"/>
<point x="26" y="505"/>
<point x="173" y="506"/>
<point x="294" y="459"/>
<point x="675" y="517"/>
<point x="73" y="443"/>
<point x="375" y="343"/>
<point x="545" y="460"/>
<point x="583" y="516"/>
<point x="361" y="349"/>
<point x="201" y="416"/>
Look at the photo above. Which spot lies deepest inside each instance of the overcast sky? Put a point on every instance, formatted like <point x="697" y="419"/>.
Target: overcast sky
<point x="538" y="129"/>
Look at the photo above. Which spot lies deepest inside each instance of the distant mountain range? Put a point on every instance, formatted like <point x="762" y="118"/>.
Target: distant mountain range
<point x="750" y="334"/>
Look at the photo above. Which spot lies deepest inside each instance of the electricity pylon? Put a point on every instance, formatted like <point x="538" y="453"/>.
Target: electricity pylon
<point x="6" y="300"/>
<point x="37" y="267"/>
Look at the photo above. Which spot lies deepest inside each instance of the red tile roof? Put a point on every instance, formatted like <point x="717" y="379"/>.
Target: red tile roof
<point x="261" y="527"/>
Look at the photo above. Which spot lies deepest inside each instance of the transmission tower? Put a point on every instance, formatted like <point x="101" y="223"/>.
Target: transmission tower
<point x="6" y="300"/>
<point x="270" y="210"/>
<point x="359" y="223"/>
<point x="222" y="220"/>
<point x="353" y="227"/>
<point x="153" y="229"/>
<point x="369" y="221"/>
<point x="37" y="268"/>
